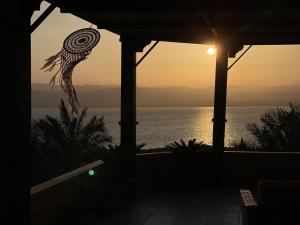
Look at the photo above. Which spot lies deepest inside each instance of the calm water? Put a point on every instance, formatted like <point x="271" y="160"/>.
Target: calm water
<point x="160" y="126"/>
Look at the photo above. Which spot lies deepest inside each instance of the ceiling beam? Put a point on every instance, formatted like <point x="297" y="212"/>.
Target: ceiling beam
<point x="42" y="17"/>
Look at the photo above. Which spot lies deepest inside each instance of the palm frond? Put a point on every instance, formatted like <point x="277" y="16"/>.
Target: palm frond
<point x="64" y="115"/>
<point x="191" y="146"/>
<point x="279" y="129"/>
<point x="81" y="119"/>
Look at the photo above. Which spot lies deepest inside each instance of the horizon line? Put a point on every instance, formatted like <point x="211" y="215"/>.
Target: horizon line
<point x="209" y="86"/>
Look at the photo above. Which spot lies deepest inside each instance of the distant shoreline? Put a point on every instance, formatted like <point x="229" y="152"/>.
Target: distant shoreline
<point x="110" y="97"/>
<point x="113" y="107"/>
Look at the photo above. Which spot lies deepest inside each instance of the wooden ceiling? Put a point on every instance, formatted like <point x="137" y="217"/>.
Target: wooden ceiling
<point x="194" y="21"/>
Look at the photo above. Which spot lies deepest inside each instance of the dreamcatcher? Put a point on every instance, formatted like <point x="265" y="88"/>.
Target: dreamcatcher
<point x="76" y="48"/>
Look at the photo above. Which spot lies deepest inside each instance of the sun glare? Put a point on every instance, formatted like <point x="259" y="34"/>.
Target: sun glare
<point x="211" y="51"/>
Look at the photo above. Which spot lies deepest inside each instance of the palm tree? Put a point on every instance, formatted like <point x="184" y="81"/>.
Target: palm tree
<point x="279" y="130"/>
<point x="191" y="146"/>
<point x="243" y="145"/>
<point x="70" y="141"/>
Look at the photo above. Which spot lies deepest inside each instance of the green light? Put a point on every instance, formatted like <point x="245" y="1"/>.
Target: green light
<point x="91" y="172"/>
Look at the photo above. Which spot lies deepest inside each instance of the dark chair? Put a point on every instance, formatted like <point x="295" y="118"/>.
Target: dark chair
<point x="274" y="203"/>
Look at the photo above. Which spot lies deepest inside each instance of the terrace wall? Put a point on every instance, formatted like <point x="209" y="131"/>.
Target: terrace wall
<point x="241" y="169"/>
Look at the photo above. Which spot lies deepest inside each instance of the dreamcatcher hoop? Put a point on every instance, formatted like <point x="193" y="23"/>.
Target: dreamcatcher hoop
<point x="76" y="48"/>
<point x="81" y="41"/>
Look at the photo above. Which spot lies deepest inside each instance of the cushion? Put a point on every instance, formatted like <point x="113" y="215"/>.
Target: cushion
<point x="279" y="194"/>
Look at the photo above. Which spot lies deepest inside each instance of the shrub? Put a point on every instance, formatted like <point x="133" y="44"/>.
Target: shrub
<point x="279" y="130"/>
<point x="244" y="145"/>
<point x="191" y="146"/>
<point x="59" y="145"/>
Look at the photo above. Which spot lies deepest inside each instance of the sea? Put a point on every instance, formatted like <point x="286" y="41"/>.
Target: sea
<point x="159" y="126"/>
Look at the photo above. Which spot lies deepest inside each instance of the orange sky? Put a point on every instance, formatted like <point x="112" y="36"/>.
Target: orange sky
<point x="169" y="64"/>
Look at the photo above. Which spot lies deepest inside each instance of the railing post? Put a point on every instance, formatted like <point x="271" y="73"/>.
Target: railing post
<point x="219" y="119"/>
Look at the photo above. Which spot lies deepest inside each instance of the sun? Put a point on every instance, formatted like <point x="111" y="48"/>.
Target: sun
<point x="211" y="51"/>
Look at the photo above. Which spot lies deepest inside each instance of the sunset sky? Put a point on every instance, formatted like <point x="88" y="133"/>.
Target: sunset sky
<point x="168" y="65"/>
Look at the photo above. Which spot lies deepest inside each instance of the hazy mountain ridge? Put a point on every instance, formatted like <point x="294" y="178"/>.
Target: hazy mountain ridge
<point x="44" y="96"/>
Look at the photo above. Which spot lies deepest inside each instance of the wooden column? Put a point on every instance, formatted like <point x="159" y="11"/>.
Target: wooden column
<point x="130" y="45"/>
<point x="219" y="119"/>
<point x="128" y="106"/>
<point x="15" y="113"/>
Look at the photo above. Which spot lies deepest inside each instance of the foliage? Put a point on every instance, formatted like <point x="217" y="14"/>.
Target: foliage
<point x="244" y="145"/>
<point x="279" y="130"/>
<point x="138" y="148"/>
<point x="191" y="146"/>
<point x="115" y="158"/>
<point x="61" y="144"/>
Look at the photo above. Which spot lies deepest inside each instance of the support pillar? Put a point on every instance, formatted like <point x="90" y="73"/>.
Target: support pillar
<point x="15" y="113"/>
<point x="128" y="123"/>
<point x="219" y="119"/>
<point x="128" y="106"/>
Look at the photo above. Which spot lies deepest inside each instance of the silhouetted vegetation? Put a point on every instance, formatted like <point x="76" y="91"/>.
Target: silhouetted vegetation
<point x="59" y="145"/>
<point x="279" y="131"/>
<point x="113" y="156"/>
<point x="191" y="146"/>
<point x="244" y="145"/>
<point x="138" y="149"/>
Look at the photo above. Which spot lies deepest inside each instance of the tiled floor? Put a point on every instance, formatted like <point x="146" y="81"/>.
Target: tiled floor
<point x="181" y="207"/>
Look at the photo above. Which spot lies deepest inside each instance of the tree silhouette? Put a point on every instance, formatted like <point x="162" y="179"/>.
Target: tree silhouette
<point x="244" y="145"/>
<point x="279" y="130"/>
<point x="69" y="141"/>
<point x="191" y="146"/>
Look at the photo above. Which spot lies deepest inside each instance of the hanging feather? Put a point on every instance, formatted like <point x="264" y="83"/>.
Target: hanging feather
<point x="76" y="48"/>
<point x="50" y="60"/>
